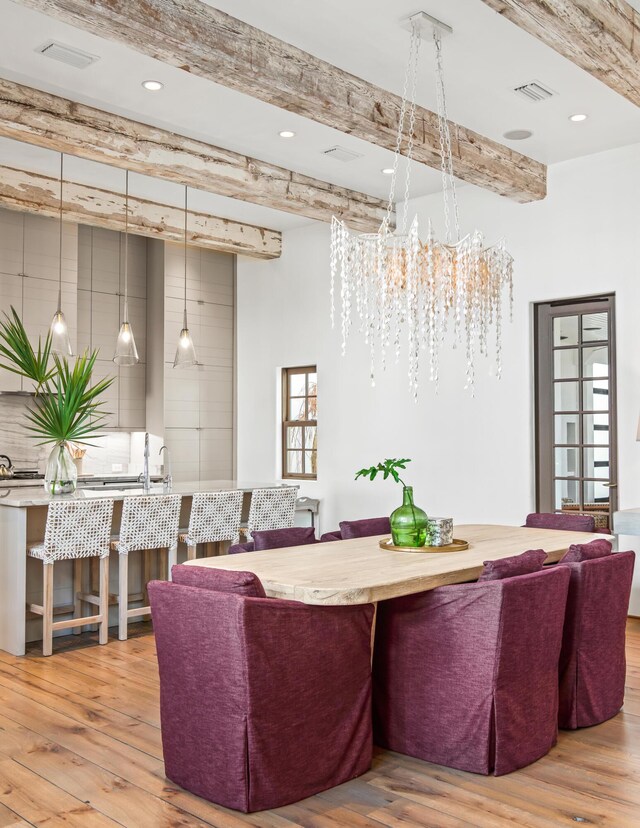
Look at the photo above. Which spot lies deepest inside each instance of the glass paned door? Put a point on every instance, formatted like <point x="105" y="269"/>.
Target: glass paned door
<point x="575" y="408"/>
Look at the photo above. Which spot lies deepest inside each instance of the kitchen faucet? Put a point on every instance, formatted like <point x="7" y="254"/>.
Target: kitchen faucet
<point x="144" y="478"/>
<point x="167" y="480"/>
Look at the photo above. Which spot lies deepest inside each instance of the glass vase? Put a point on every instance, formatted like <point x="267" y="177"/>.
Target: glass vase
<point x="409" y="523"/>
<point x="61" y="474"/>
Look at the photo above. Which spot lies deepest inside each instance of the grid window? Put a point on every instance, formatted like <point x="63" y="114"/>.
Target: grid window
<point x="300" y="422"/>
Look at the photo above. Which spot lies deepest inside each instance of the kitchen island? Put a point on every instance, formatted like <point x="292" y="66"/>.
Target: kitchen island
<point x="23" y="513"/>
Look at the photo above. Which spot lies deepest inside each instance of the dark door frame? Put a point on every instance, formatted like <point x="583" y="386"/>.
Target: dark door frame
<point x="544" y="314"/>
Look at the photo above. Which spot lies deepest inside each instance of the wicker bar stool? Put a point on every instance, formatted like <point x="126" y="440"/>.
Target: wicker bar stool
<point x="75" y="530"/>
<point x="148" y="523"/>
<point x="214" y="517"/>
<point x="272" y="509"/>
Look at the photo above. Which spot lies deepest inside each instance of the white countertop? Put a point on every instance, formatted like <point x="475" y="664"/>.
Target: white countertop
<point x="35" y="494"/>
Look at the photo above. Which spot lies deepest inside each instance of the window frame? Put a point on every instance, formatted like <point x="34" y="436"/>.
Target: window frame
<point x="287" y="373"/>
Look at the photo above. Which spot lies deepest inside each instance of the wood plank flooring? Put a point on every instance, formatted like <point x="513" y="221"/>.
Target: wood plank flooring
<point x="80" y="746"/>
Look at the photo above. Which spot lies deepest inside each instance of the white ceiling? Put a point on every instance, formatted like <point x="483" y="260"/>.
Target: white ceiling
<point x="486" y="58"/>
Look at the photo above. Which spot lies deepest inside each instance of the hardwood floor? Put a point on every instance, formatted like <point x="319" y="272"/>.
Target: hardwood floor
<point x="80" y="746"/>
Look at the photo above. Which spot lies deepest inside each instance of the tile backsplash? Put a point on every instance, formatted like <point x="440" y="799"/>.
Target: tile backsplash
<point x="120" y="449"/>
<point x="15" y="440"/>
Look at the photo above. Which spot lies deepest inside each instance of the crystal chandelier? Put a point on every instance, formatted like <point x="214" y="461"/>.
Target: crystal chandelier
<point x="395" y="280"/>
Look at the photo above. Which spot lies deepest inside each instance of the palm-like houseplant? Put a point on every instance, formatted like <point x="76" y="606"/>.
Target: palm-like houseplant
<point x="66" y="409"/>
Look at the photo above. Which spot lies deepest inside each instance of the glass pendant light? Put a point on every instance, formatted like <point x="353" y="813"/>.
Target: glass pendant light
<point x="60" y="343"/>
<point x="185" y="352"/>
<point x="126" y="351"/>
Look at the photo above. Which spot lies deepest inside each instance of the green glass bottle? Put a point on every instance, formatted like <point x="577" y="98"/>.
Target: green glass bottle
<point x="409" y="523"/>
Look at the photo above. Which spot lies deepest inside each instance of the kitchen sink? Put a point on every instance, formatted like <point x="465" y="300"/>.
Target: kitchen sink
<point x="111" y="483"/>
<point x="110" y="487"/>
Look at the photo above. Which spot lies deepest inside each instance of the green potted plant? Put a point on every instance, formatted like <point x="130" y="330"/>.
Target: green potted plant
<point x="66" y="407"/>
<point x="410" y="525"/>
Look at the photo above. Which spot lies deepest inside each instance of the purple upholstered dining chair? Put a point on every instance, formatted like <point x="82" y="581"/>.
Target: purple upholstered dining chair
<point x="367" y="528"/>
<point x="250" y="715"/>
<point x="592" y="660"/>
<point x="551" y="520"/>
<point x="276" y="539"/>
<point x="466" y="676"/>
<point x="327" y="537"/>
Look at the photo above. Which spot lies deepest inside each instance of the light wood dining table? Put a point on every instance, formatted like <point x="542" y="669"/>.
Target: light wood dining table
<point x="358" y="571"/>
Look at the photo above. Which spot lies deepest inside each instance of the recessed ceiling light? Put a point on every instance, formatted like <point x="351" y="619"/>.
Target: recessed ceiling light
<point x="578" y="117"/>
<point x="152" y="85"/>
<point x="387" y="171"/>
<point x="286" y="133"/>
<point x="518" y="134"/>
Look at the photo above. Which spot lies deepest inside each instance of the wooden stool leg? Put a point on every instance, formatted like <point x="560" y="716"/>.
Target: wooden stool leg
<point x="192" y="552"/>
<point x="103" y="635"/>
<point x="163" y="565"/>
<point x="146" y="577"/>
<point x="123" y="595"/>
<point x="146" y="574"/>
<point x="172" y="559"/>
<point x="93" y="585"/>
<point x="78" y="605"/>
<point x="47" y="607"/>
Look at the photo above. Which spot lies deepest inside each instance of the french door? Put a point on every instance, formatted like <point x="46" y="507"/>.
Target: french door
<point x="576" y="442"/>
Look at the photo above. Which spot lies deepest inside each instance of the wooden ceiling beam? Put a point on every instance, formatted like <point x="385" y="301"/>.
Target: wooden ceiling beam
<point x="46" y="120"/>
<point x="35" y="193"/>
<point x="600" y="36"/>
<point x="201" y="40"/>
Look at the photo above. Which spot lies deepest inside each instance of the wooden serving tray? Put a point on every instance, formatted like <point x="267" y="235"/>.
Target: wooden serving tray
<point x="456" y="546"/>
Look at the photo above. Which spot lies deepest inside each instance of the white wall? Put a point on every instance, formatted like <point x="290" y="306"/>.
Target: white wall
<point x="472" y="457"/>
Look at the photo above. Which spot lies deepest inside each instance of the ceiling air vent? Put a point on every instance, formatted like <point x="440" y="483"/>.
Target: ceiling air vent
<point x="341" y="154"/>
<point x="68" y="55"/>
<point x="534" y="92"/>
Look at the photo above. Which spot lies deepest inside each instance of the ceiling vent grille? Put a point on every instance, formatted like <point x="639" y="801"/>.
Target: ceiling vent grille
<point x="341" y="154"/>
<point x="534" y="92"/>
<point x="68" y="55"/>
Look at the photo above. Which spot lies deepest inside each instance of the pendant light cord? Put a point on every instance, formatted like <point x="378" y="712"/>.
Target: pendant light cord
<point x="186" y="207"/>
<point x="126" y="247"/>
<point x="60" y="236"/>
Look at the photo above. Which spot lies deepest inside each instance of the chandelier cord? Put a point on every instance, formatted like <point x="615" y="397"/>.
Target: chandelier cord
<point x="386" y="222"/>
<point x="414" y="59"/>
<point x="448" y="181"/>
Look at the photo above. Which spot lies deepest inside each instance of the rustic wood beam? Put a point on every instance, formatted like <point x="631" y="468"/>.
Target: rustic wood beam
<point x="36" y="193"/>
<point x="37" y="117"/>
<point x="600" y="36"/>
<point x="204" y="41"/>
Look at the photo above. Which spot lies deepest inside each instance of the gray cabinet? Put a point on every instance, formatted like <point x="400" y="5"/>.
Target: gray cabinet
<point x="100" y="308"/>
<point x="198" y="402"/>
<point x="29" y="272"/>
<point x="193" y="409"/>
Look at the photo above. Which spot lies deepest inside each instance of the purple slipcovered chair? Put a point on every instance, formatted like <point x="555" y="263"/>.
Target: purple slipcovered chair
<point x="367" y="528"/>
<point x="466" y="676"/>
<point x="263" y="702"/>
<point x="276" y="539"/>
<point x="592" y="661"/>
<point x="330" y="536"/>
<point x="551" y="520"/>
